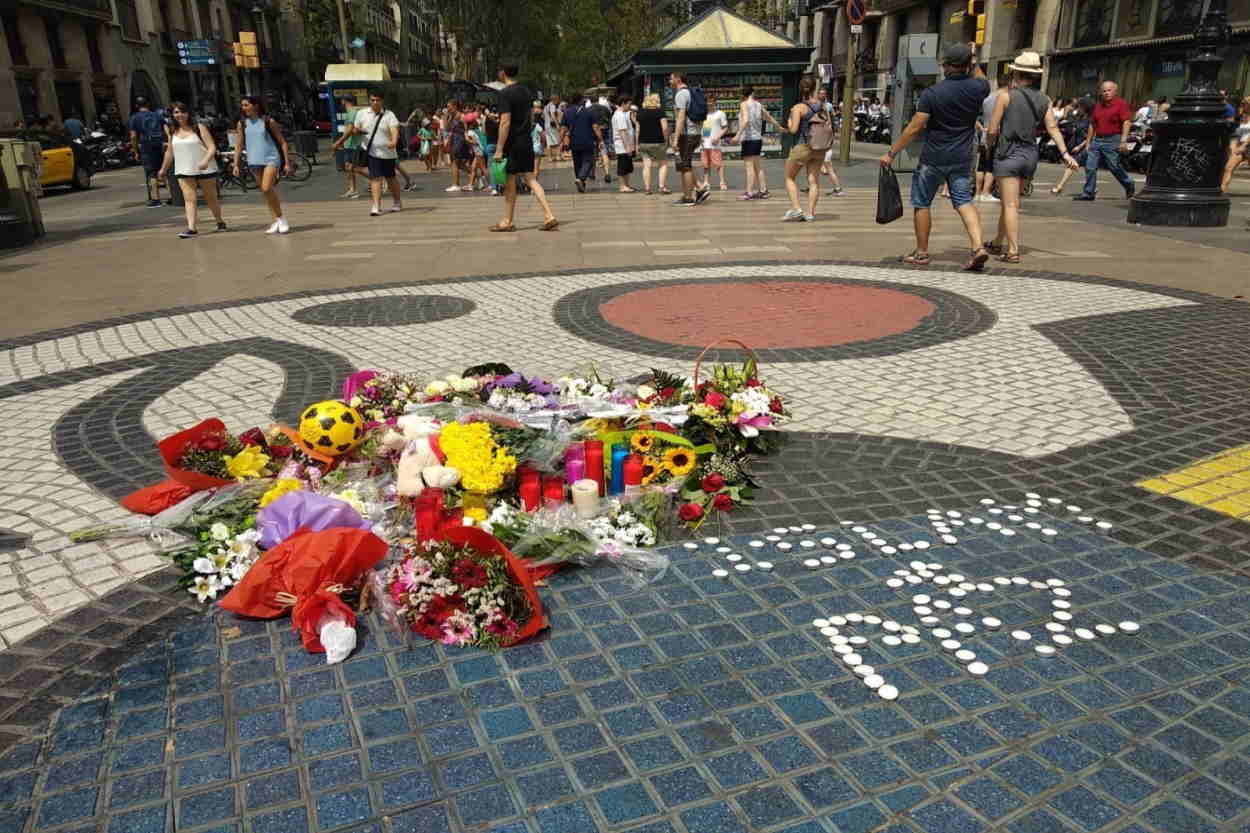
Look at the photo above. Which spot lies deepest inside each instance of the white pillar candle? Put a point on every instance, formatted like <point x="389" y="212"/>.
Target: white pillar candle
<point x="586" y="498"/>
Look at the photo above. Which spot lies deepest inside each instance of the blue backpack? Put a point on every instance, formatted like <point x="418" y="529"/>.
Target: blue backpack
<point x="698" y="105"/>
<point x="153" y="128"/>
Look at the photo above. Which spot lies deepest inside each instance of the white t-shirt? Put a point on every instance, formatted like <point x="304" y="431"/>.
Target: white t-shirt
<point x="365" y="119"/>
<point x="715" y="121"/>
<point x="623" y="131"/>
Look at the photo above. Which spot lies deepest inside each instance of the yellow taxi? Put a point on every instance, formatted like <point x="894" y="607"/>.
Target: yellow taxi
<point x="64" y="163"/>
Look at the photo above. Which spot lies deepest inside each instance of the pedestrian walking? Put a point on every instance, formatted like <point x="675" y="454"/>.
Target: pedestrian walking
<point x="1079" y="113"/>
<point x="750" y="138"/>
<point x="192" y="154"/>
<point x="715" y="126"/>
<point x="653" y="143"/>
<point x="947" y="115"/>
<point x="345" y="148"/>
<point x="606" y="152"/>
<point x="147" y="141"/>
<point x="516" y="144"/>
<point x="826" y="168"/>
<point x="623" y="138"/>
<point x="687" y="137"/>
<point x="1018" y="111"/>
<point x="426" y="149"/>
<point x="381" y="129"/>
<point x="261" y="138"/>
<point x="582" y="135"/>
<point x="1239" y="146"/>
<point x="813" y="132"/>
<point x="538" y="136"/>
<point x="551" y="127"/>
<point x="460" y="153"/>
<point x="1109" y="124"/>
<point x="985" y="156"/>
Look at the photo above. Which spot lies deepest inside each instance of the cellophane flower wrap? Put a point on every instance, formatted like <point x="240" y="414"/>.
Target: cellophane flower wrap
<point x="624" y="536"/>
<point x="466" y="589"/>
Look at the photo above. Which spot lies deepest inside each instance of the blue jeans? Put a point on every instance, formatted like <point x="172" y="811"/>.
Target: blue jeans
<point x="1107" y="149"/>
<point x="927" y="178"/>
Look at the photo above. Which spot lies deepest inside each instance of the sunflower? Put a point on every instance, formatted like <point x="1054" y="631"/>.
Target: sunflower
<point x="642" y="443"/>
<point x="679" y="461"/>
<point x="651" y="469"/>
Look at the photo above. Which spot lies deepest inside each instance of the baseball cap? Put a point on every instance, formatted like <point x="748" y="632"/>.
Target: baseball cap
<point x="957" y="55"/>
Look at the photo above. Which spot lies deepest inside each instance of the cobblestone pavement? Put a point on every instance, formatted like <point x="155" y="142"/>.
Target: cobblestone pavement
<point x="1079" y="445"/>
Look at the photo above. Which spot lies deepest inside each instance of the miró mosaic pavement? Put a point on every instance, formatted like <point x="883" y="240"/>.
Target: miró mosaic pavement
<point x="963" y="470"/>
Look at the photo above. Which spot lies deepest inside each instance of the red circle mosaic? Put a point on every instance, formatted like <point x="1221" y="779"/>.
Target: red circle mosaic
<point x="768" y="314"/>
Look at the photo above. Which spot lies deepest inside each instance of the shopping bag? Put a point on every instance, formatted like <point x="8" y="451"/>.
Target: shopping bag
<point x="499" y="172"/>
<point x="889" y="198"/>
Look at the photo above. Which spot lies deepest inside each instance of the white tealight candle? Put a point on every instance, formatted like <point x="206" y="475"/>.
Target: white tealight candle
<point x="812" y="563"/>
<point x="719" y="573"/>
<point x="743" y="568"/>
<point x="764" y="565"/>
<point x="711" y="541"/>
<point x="586" y="499"/>
<point x="690" y="545"/>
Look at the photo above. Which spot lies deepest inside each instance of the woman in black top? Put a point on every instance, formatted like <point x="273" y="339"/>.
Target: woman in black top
<point x="1080" y="117"/>
<point x="653" y="142"/>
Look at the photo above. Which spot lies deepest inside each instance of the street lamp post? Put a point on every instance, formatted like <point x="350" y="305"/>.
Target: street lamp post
<point x="1191" y="144"/>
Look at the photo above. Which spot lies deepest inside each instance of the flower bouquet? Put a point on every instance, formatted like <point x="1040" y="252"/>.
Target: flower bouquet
<point x="467" y="589"/>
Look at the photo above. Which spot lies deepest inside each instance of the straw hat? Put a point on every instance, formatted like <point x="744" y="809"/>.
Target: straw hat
<point x="1027" y="62"/>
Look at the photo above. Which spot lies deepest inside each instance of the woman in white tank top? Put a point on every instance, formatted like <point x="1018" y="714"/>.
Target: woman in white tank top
<point x="191" y="151"/>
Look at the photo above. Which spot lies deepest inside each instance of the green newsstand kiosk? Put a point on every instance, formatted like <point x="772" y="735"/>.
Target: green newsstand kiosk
<point x="721" y="52"/>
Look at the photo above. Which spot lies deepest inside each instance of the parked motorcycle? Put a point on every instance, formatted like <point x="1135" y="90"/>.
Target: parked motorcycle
<point x="1140" y="148"/>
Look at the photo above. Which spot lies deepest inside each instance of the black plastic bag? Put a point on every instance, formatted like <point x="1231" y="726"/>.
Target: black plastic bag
<point x="889" y="198"/>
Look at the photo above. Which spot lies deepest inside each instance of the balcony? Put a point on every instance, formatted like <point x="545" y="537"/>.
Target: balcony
<point x="98" y="9"/>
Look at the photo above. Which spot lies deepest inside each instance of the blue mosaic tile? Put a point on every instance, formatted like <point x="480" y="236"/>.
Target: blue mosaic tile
<point x="485" y="805"/>
<point x="290" y="820"/>
<point x="326" y="773"/>
<point x="545" y="786"/>
<point x="18" y="788"/>
<point x="383" y="724"/>
<point x="196" y="741"/>
<point x="1170" y="816"/>
<point x="874" y="770"/>
<point x="476" y="670"/>
<point x="788" y="753"/>
<point x="1214" y="799"/>
<point x="261" y="724"/>
<point x="136" y="789"/>
<point x="581" y="737"/>
<point x="142" y="754"/>
<point x="60" y="775"/>
<point x="252" y="697"/>
<point x="206" y="807"/>
<point x="267" y="754"/>
<point x="718" y="817"/>
<point x="927" y="708"/>
<point x="1027" y="774"/>
<point x="450" y="739"/>
<point x="825" y="788"/>
<point x="406" y="790"/>
<point x="904" y="799"/>
<point x="147" y="820"/>
<point x="397" y="755"/>
<point x="1040" y="821"/>
<point x="272" y="789"/>
<point x="597" y="770"/>
<point x="520" y="754"/>
<point x="1065" y="753"/>
<point x="766" y="806"/>
<point x="1186" y="741"/>
<point x="681" y="786"/>
<point x="566" y="818"/>
<point x="989" y="798"/>
<point x="858" y="818"/>
<point x="505" y="723"/>
<point x="608" y="695"/>
<point x="968" y="738"/>
<point x="922" y="755"/>
<point x="76" y="739"/>
<point x="340" y="808"/>
<point x="624" y="803"/>
<point x="836" y="737"/>
<point x="883" y="722"/>
<point x="630" y="721"/>
<point x="1085" y="808"/>
<point x="1137" y="719"/>
<point x="945" y="817"/>
<point x="736" y="769"/>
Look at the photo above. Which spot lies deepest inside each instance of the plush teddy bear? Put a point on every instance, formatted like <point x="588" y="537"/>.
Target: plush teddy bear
<point x="421" y="463"/>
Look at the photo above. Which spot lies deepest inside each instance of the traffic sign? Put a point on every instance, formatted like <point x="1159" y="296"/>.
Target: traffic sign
<point x="856" y="11"/>
<point x="857" y="28"/>
<point x="197" y="52"/>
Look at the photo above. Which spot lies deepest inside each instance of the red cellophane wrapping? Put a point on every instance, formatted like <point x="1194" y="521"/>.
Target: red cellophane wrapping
<point x="484" y="542"/>
<point x="181" y="483"/>
<point x="302" y="567"/>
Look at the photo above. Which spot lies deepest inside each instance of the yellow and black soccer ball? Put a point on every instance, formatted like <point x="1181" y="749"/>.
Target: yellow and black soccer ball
<point x="332" y="428"/>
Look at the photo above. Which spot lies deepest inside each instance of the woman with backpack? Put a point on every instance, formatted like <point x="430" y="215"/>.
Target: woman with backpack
<point x="813" y="131"/>
<point x="191" y="151"/>
<point x="266" y="150"/>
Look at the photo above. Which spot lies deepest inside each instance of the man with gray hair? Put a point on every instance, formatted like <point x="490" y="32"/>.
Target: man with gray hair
<point x="1109" y="123"/>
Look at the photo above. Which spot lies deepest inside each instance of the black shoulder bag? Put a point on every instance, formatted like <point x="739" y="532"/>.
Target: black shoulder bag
<point x="361" y="158"/>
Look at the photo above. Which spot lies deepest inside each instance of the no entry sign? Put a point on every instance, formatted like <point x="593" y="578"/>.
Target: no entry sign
<point x="855" y="12"/>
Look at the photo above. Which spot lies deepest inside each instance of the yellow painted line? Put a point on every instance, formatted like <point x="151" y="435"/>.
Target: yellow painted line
<point x="1220" y="483"/>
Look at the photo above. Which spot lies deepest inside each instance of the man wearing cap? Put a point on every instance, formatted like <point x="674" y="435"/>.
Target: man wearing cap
<point x="1018" y="110"/>
<point x="947" y="115"/>
<point x="1109" y="123"/>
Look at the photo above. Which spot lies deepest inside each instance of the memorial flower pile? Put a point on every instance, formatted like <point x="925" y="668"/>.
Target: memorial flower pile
<point x="218" y="453"/>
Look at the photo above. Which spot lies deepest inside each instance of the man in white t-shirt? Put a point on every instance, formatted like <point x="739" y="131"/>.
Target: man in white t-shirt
<point x="624" y="143"/>
<point x="379" y="131"/>
<point x="715" y="126"/>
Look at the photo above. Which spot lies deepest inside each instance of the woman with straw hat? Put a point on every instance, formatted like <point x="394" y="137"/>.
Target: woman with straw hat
<point x="1018" y="111"/>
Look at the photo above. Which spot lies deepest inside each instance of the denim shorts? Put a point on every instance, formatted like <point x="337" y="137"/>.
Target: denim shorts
<point x="928" y="178"/>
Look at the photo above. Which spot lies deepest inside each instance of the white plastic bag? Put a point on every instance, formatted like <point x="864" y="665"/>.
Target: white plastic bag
<point x="337" y="637"/>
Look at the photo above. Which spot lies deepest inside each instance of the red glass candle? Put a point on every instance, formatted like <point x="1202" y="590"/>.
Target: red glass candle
<point x="530" y="492"/>
<point x="594" y="463"/>
<point x="633" y="470"/>
<point x="428" y="512"/>
<point x="553" y="491"/>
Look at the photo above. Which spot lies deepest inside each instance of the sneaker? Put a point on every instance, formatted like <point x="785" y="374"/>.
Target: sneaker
<point x="273" y="229"/>
<point x="1084" y="197"/>
<point x="354" y="195"/>
<point x="375" y="212"/>
<point x="347" y="194"/>
<point x="222" y="226"/>
<point x="154" y="203"/>
<point x="1129" y="192"/>
<point x="836" y="192"/>
<point x="451" y="189"/>
<point x="748" y="196"/>
<point x="283" y="226"/>
<point x="189" y="233"/>
<point x="396" y="208"/>
<point x="685" y="203"/>
<point x="809" y="218"/>
<point x="763" y="195"/>
<point x="792" y="216"/>
<point x="581" y="186"/>
<point x="703" y="196"/>
<point x="991" y="198"/>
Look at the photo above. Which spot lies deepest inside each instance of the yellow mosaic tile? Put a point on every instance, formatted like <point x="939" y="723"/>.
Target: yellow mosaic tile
<point x="1220" y="482"/>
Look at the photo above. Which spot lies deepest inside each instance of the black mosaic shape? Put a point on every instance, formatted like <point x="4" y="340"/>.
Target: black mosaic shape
<point x="388" y="311"/>
<point x="10" y="540"/>
<point x="102" y="441"/>
<point x="954" y="317"/>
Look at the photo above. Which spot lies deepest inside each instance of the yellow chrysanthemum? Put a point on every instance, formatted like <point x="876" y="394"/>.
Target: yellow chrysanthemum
<point x="679" y="461"/>
<point x="283" y="487"/>
<point x="471" y="450"/>
<point x="250" y="462"/>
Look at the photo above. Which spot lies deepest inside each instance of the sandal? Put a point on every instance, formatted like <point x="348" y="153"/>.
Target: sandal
<point x="993" y="248"/>
<point x="977" y="263"/>
<point x="665" y="191"/>
<point x="916" y="258"/>
<point x="502" y="227"/>
<point x="647" y="192"/>
<point x="1008" y="257"/>
<point x="550" y="225"/>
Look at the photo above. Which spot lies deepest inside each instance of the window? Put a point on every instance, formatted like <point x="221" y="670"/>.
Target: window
<point x="129" y="14"/>
<point x="1093" y="23"/>
<point x="93" y="47"/>
<point x="17" y="51"/>
<point x="55" y="48"/>
<point x="1177" y="17"/>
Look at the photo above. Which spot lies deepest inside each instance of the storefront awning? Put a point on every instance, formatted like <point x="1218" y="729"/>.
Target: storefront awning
<point x="1136" y="44"/>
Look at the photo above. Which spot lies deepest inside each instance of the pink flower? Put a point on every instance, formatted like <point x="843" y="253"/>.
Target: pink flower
<point x="355" y="382"/>
<point x="503" y="627"/>
<point x="750" y="424"/>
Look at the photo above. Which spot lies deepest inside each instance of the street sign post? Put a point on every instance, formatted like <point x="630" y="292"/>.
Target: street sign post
<point x="197" y="52"/>
<point x="856" y="11"/>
